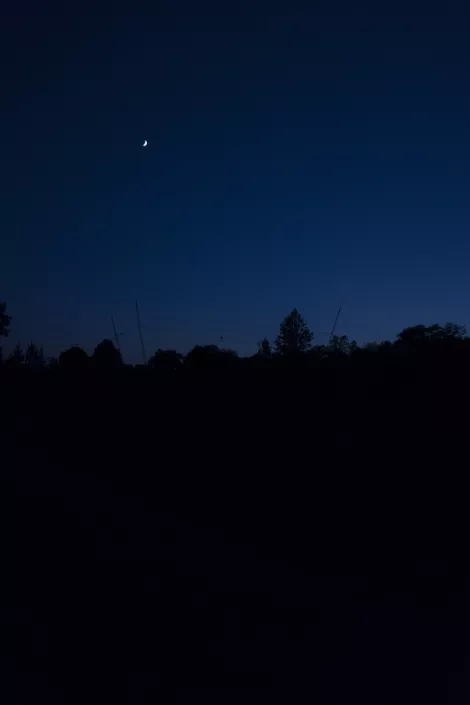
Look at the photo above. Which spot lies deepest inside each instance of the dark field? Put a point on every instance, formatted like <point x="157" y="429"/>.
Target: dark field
<point x="238" y="539"/>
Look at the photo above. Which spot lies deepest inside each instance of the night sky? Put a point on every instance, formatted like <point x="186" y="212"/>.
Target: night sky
<point x="300" y="154"/>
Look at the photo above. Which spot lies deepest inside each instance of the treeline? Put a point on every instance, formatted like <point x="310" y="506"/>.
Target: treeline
<point x="293" y="345"/>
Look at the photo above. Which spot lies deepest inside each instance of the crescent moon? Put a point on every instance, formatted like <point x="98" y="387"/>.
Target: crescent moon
<point x="145" y="143"/>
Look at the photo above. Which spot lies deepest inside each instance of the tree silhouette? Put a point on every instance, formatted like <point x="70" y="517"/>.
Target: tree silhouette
<point x="202" y="355"/>
<point x="454" y="330"/>
<point x="75" y="358"/>
<point x="419" y="335"/>
<point x="371" y="347"/>
<point x="415" y="336"/>
<point x="165" y="360"/>
<point x="106" y="356"/>
<point x="430" y="344"/>
<point x="34" y="355"/>
<point x="317" y="352"/>
<point x="226" y="358"/>
<point x="264" y="348"/>
<point x="294" y="335"/>
<point x="5" y="320"/>
<point x="16" y="358"/>
<point x="339" y="345"/>
<point x="211" y="356"/>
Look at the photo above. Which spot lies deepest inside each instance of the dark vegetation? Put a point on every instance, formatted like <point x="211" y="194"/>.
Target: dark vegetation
<point x="288" y="527"/>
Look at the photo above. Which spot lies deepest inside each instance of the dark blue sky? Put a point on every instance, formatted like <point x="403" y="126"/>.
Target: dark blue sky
<point x="297" y="157"/>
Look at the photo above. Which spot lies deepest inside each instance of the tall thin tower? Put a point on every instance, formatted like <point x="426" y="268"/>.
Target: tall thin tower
<point x="334" y="324"/>
<point x="116" y="335"/>
<point x="144" y="356"/>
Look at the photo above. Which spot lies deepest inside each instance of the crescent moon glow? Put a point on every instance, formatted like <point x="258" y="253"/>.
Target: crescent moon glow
<point x="145" y="143"/>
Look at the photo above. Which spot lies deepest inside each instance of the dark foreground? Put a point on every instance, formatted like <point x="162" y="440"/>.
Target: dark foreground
<point x="221" y="541"/>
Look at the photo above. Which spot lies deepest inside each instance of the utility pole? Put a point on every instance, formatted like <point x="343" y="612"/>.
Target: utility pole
<point x="334" y="325"/>
<point x="144" y="356"/>
<point x="116" y="335"/>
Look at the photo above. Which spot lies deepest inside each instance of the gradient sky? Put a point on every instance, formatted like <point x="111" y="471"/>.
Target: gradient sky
<point x="297" y="157"/>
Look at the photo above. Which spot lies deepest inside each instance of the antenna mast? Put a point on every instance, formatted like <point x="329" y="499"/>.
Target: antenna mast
<point x="116" y="335"/>
<point x="144" y="356"/>
<point x="334" y="324"/>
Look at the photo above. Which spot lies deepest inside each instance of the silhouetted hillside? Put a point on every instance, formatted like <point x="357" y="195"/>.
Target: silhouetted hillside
<point x="228" y="532"/>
